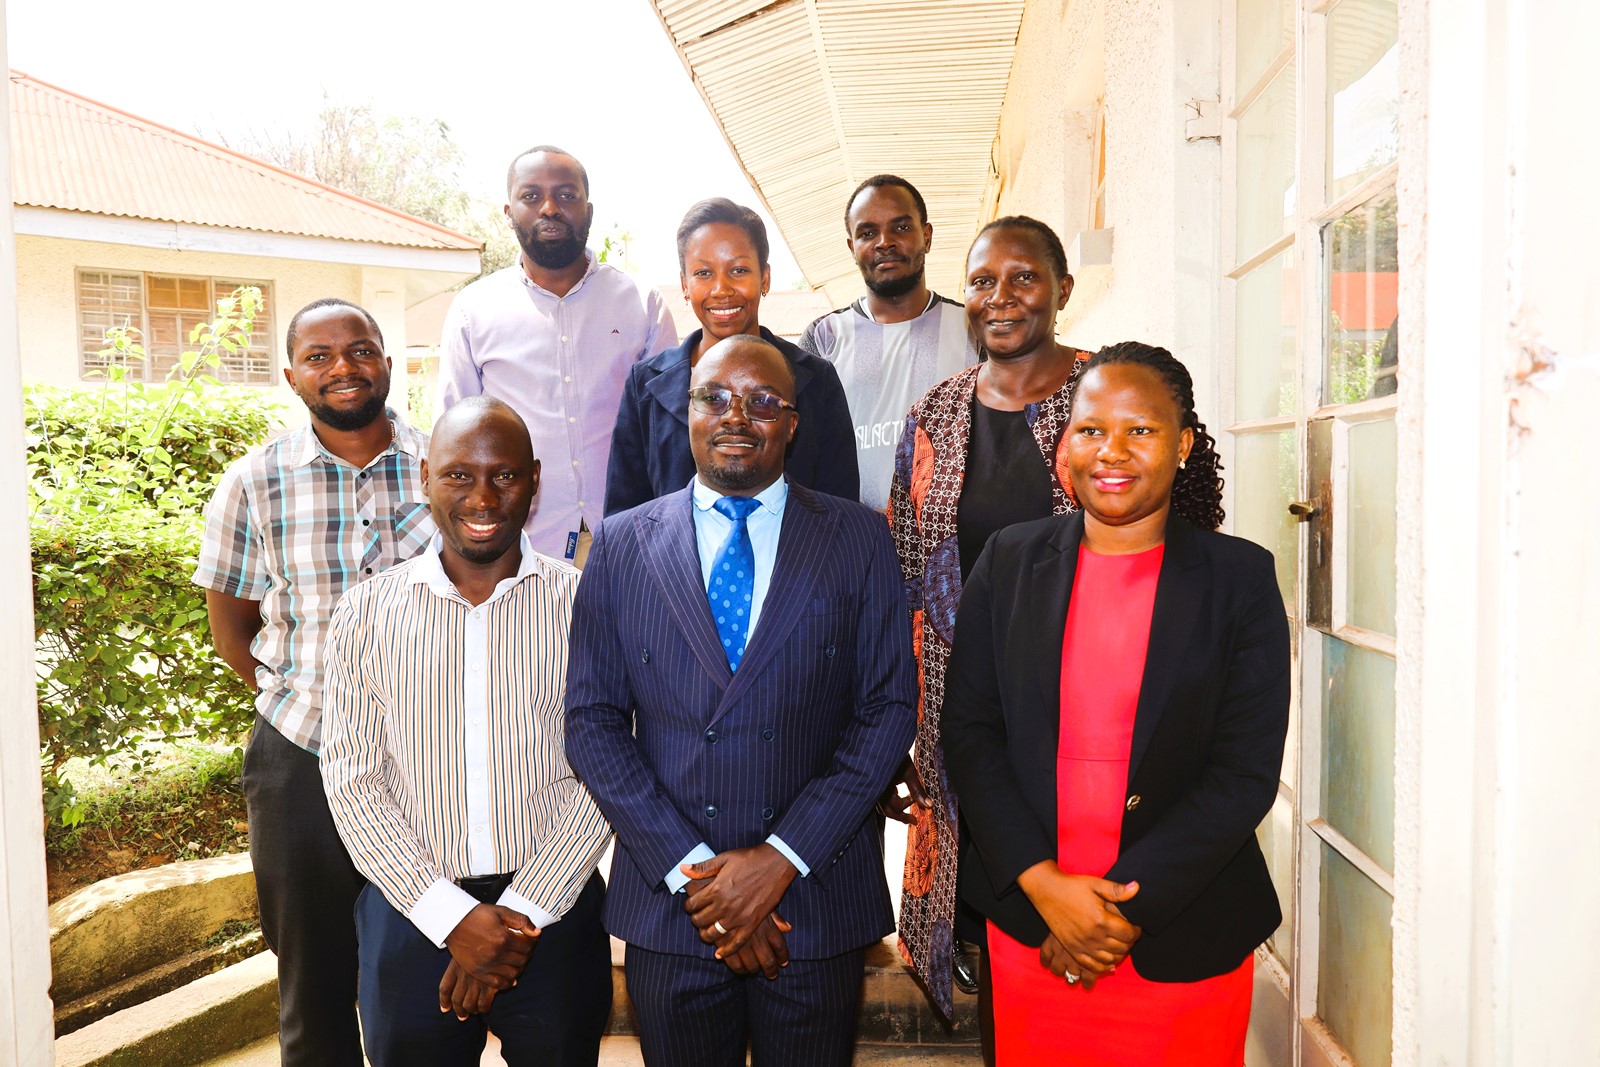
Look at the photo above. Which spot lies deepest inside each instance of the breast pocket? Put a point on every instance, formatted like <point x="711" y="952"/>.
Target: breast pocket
<point x="413" y="527"/>
<point x="829" y="625"/>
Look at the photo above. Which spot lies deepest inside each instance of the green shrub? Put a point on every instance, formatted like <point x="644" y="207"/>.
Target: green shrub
<point x="119" y="475"/>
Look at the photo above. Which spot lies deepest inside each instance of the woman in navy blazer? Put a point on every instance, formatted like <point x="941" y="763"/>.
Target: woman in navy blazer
<point x="1187" y="897"/>
<point x="722" y="257"/>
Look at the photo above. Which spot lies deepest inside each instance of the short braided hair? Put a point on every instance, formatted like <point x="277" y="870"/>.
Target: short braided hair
<point x="1197" y="489"/>
<point x="1053" y="249"/>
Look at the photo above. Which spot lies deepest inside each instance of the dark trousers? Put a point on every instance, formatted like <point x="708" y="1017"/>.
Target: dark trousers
<point x="552" y="1017"/>
<point x="694" y="1012"/>
<point x="307" y="887"/>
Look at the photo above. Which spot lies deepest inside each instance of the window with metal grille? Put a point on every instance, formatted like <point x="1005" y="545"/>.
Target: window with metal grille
<point x="165" y="308"/>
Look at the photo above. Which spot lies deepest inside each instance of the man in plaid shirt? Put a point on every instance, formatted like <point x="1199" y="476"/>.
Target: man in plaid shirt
<point x="294" y="524"/>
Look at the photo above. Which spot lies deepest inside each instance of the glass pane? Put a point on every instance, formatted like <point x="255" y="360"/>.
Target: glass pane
<point x="1265" y="30"/>
<point x="1265" y="164"/>
<point x="1358" y="747"/>
<point x="1363" y="92"/>
<point x="1355" y="976"/>
<point x="1363" y="290"/>
<point x="1264" y="480"/>
<point x="1266" y="312"/>
<point x="1370" y="579"/>
<point x="1276" y="837"/>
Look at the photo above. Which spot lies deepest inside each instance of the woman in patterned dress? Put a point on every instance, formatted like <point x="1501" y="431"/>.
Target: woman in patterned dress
<point x="978" y="453"/>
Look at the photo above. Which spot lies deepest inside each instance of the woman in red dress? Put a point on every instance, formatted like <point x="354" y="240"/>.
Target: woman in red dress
<point x="1114" y="723"/>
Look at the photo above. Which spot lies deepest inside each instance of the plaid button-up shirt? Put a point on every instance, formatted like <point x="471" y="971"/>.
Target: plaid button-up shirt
<point x="293" y="526"/>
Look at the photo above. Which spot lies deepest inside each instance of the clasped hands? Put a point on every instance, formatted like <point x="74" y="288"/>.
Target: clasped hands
<point x="489" y="948"/>
<point x="1088" y="934"/>
<point x="732" y="899"/>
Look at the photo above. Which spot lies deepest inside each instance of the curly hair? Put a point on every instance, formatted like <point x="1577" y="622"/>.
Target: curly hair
<point x="1053" y="249"/>
<point x="879" y="181"/>
<point x="1197" y="489"/>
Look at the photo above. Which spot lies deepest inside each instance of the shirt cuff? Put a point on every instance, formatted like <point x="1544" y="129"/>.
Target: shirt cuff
<point x="440" y="910"/>
<point x="790" y="854"/>
<point x="517" y="902"/>
<point x="675" y="878"/>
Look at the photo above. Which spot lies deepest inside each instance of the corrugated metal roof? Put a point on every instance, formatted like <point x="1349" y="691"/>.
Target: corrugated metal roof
<point x="814" y="96"/>
<point x="76" y="154"/>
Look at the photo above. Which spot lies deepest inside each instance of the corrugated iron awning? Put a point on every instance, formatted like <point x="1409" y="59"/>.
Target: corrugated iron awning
<point x="814" y="96"/>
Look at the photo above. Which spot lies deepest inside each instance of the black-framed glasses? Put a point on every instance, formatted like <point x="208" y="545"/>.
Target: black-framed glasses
<point x="760" y="405"/>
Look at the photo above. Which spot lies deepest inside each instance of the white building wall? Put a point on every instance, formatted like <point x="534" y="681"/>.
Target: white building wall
<point x="47" y="288"/>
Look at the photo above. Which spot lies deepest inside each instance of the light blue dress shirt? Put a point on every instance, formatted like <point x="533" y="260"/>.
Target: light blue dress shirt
<point x="711" y="529"/>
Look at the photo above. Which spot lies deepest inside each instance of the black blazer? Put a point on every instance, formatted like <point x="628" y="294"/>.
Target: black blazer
<point x="1207" y="749"/>
<point x="650" y="454"/>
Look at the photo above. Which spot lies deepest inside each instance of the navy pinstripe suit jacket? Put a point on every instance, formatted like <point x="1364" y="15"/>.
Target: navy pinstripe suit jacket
<point x="800" y="742"/>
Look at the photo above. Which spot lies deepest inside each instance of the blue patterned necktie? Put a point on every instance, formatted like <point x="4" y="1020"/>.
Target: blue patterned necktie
<point x="733" y="579"/>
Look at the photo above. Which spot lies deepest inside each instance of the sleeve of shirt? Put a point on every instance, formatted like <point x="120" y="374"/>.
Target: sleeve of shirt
<point x="663" y="332"/>
<point x="564" y="856"/>
<point x="675" y="878"/>
<point x="381" y="842"/>
<point x="458" y="371"/>
<point x="789" y="854"/>
<point x="231" y="556"/>
<point x="808" y="339"/>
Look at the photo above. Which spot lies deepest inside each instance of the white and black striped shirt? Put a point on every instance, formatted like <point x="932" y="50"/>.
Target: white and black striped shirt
<point x="443" y="741"/>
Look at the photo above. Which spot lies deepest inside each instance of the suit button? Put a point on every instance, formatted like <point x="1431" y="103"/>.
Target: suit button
<point x="766" y="734"/>
<point x="767" y="814"/>
<point x="711" y="736"/>
<point x="711" y="811"/>
<point x="828" y="651"/>
<point x="644" y="655"/>
<point x="1133" y="801"/>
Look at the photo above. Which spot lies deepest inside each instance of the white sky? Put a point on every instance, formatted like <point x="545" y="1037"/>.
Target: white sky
<point x="598" y="77"/>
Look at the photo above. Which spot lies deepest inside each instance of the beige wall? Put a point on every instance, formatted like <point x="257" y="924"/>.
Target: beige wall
<point x="47" y="296"/>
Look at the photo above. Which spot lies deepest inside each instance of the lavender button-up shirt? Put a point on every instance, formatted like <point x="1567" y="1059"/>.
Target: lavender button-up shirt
<point x="561" y="362"/>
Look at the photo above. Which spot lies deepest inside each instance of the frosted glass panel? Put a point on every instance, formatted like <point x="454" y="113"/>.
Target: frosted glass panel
<point x="1363" y="294"/>
<point x="1266" y="196"/>
<point x="1370" y="580"/>
<point x="1266" y="311"/>
<point x="1363" y="92"/>
<point x="1355" y="976"/>
<point x="1265" y="30"/>
<point x="1264" y="466"/>
<point x="1276" y="836"/>
<point x="1358" y="747"/>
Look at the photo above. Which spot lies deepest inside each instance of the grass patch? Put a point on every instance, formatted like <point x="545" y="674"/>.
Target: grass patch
<point x="188" y="805"/>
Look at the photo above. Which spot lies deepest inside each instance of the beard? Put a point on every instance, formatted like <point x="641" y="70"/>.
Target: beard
<point x="552" y="254"/>
<point x="348" y="419"/>
<point x="891" y="288"/>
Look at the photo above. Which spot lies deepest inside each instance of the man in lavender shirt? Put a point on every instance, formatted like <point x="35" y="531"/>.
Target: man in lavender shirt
<point x="554" y="336"/>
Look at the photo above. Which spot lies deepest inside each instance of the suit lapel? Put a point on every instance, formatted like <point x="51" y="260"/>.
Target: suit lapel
<point x="670" y="388"/>
<point x="673" y="557"/>
<point x="1049" y="593"/>
<point x="1179" y="592"/>
<point x="803" y="542"/>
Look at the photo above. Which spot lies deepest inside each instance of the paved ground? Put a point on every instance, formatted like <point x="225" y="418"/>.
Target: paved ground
<point x="624" y="1052"/>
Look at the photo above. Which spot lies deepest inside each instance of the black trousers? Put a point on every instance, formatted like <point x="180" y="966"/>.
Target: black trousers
<point x="307" y="887"/>
<point x="552" y="1017"/>
<point x="694" y="1012"/>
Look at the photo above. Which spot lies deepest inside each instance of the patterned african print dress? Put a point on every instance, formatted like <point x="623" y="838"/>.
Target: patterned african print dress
<point x="930" y="465"/>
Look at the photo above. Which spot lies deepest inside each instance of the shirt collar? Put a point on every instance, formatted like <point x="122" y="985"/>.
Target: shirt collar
<point x="591" y="264"/>
<point x="429" y="570"/>
<point x="771" y="498"/>
<point x="309" y="447"/>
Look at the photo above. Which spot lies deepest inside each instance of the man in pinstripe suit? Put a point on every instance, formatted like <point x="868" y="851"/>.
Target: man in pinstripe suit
<point x="738" y="753"/>
<point x="445" y="774"/>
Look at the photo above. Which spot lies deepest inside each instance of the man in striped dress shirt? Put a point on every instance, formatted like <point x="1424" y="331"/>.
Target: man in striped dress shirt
<point x="292" y="525"/>
<point x="446" y="776"/>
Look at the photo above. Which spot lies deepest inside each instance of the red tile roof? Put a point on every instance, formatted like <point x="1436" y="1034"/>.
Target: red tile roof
<point x="77" y="154"/>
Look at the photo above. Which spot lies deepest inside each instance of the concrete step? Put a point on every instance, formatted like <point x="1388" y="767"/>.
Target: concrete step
<point x="621" y="1050"/>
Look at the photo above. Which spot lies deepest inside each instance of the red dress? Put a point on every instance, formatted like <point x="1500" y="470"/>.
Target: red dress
<point x="1125" y="1021"/>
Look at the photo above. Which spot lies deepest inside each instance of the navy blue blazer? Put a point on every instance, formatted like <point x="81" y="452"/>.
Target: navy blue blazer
<point x="1208" y="738"/>
<point x="676" y="749"/>
<point x="650" y="454"/>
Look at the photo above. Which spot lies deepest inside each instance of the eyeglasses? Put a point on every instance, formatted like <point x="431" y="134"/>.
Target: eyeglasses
<point x="761" y="405"/>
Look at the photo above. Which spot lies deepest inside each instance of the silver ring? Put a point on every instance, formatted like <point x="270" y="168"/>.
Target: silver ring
<point x="719" y="928"/>
<point x="1072" y="979"/>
